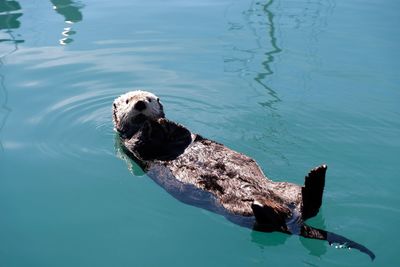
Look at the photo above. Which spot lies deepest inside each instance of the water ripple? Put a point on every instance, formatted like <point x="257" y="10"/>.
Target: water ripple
<point x="75" y="124"/>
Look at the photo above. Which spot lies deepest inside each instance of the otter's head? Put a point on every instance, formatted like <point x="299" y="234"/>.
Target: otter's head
<point x="133" y="109"/>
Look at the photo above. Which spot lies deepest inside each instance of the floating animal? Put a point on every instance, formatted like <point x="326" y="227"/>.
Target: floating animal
<point x="207" y="174"/>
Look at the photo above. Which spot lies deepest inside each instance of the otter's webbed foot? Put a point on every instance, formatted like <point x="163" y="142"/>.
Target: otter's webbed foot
<point x="270" y="215"/>
<point x="312" y="191"/>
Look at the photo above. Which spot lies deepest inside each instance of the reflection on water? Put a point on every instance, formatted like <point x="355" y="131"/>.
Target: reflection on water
<point x="308" y="21"/>
<point x="70" y="10"/>
<point x="263" y="17"/>
<point x="252" y="55"/>
<point x="10" y="12"/>
<point x="258" y="39"/>
<point x="252" y="60"/>
<point x="260" y="36"/>
<point x="314" y="247"/>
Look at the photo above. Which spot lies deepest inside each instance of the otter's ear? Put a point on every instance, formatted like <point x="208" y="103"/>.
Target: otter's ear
<point x="162" y="114"/>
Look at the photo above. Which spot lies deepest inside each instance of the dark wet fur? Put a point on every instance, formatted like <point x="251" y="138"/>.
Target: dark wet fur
<point x="208" y="175"/>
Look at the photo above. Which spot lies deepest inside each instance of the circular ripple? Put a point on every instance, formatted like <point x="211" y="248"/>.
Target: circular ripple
<point x="79" y="126"/>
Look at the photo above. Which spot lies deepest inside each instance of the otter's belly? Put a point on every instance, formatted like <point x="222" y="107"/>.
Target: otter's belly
<point x="233" y="178"/>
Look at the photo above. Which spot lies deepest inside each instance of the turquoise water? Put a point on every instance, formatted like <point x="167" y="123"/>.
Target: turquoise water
<point x="290" y="83"/>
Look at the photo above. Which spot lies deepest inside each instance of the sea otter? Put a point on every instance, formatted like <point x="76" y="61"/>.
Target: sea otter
<point x="207" y="174"/>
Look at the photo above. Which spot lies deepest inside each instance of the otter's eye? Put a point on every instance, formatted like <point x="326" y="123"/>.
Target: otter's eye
<point x="127" y="101"/>
<point x="149" y="99"/>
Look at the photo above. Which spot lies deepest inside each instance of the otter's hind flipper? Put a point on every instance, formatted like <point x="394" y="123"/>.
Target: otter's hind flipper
<point x="270" y="215"/>
<point x="312" y="191"/>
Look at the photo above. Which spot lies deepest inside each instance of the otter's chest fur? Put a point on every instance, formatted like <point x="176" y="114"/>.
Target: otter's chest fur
<point x="235" y="179"/>
<point x="178" y="160"/>
<point x="181" y="161"/>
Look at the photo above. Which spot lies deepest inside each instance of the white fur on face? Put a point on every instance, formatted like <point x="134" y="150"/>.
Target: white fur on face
<point x="125" y="113"/>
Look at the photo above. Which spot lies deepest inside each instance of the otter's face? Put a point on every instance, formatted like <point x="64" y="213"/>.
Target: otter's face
<point x="132" y="109"/>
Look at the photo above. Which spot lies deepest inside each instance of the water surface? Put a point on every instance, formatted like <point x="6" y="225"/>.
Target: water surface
<point x="292" y="84"/>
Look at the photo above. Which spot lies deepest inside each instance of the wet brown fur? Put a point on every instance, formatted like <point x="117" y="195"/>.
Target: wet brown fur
<point x="204" y="173"/>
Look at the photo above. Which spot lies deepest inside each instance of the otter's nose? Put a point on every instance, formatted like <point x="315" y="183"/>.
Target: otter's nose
<point x="139" y="106"/>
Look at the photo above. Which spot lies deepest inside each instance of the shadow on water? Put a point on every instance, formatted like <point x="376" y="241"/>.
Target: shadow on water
<point x="10" y="12"/>
<point x="70" y="10"/>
